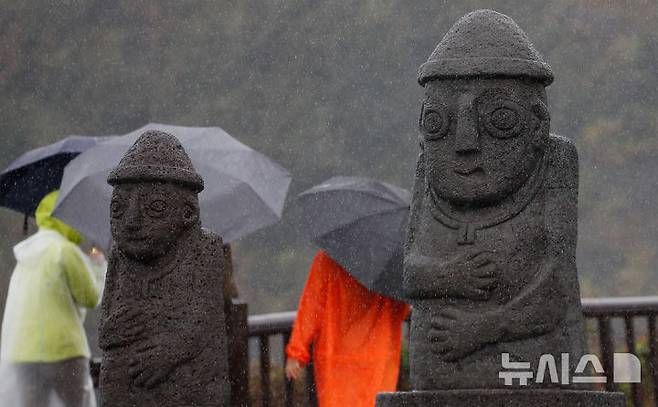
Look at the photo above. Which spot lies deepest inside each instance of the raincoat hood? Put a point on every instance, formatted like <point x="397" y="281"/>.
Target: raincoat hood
<point x="32" y="249"/>
<point x="45" y="220"/>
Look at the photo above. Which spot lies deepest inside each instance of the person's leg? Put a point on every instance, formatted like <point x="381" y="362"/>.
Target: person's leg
<point x="70" y="380"/>
<point x="32" y="387"/>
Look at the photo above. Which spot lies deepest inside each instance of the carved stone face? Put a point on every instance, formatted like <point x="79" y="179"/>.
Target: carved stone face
<point x="482" y="138"/>
<point x="147" y="218"/>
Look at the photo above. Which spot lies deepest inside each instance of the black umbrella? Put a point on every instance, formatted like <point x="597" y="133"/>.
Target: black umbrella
<point x="37" y="172"/>
<point x="360" y="223"/>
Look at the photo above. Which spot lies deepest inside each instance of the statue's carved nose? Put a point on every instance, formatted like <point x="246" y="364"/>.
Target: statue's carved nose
<point x="466" y="136"/>
<point x="133" y="216"/>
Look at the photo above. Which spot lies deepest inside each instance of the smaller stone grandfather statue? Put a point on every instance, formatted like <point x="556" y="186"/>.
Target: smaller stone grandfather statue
<point x="162" y="328"/>
<point x="490" y="262"/>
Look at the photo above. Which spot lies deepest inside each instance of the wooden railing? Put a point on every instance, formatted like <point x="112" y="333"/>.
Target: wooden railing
<point x="626" y="324"/>
<point x="612" y="325"/>
<point x="264" y="328"/>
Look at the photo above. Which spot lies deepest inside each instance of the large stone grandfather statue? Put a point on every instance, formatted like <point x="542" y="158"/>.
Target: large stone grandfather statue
<point x="162" y="325"/>
<point x="490" y="265"/>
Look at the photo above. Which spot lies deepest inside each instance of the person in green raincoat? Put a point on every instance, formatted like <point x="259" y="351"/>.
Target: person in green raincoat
<point x="44" y="354"/>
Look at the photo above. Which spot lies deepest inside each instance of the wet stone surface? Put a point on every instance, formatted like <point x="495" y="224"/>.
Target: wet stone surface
<point x="162" y="327"/>
<point x="500" y="398"/>
<point x="490" y="264"/>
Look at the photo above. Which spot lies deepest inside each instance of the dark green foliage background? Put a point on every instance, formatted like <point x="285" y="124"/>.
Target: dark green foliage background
<point x="326" y="88"/>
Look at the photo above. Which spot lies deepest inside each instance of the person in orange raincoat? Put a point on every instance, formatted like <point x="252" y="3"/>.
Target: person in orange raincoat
<point x="355" y="334"/>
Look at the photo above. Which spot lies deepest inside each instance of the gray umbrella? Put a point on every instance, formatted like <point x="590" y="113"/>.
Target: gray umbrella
<point x="360" y="223"/>
<point x="244" y="189"/>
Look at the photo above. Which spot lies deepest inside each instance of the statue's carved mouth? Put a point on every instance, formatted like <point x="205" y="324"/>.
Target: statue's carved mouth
<point x="475" y="171"/>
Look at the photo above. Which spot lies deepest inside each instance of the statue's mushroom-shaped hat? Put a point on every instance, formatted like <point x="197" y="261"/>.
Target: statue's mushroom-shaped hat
<point x="157" y="156"/>
<point x="485" y="43"/>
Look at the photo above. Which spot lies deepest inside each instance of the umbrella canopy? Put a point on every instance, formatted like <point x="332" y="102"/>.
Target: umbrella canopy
<point x="244" y="189"/>
<point x="37" y="172"/>
<point x="360" y="223"/>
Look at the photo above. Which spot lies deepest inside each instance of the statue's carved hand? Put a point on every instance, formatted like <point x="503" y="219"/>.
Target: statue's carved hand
<point x="471" y="275"/>
<point x="151" y="364"/>
<point x="456" y="334"/>
<point x="125" y="325"/>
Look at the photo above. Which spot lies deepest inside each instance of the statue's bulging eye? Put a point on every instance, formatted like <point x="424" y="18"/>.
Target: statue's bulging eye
<point x="157" y="208"/>
<point x="434" y="124"/>
<point x="117" y="208"/>
<point x="504" y="118"/>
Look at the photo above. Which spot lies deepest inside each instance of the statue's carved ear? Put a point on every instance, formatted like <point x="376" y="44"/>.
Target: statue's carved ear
<point x="421" y="136"/>
<point x="190" y="213"/>
<point x="540" y="110"/>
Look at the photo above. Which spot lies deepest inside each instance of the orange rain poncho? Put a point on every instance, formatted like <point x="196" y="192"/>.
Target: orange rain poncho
<point x="355" y="334"/>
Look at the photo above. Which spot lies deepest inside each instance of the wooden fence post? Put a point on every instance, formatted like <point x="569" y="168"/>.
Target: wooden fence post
<point x="238" y="356"/>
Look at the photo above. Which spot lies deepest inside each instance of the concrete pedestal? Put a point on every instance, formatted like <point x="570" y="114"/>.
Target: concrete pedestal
<point x="501" y="398"/>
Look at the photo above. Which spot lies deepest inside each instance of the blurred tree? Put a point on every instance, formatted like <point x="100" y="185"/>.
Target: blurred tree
<point x="326" y="89"/>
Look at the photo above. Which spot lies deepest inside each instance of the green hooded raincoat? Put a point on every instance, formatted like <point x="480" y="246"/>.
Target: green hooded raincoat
<point x="51" y="285"/>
